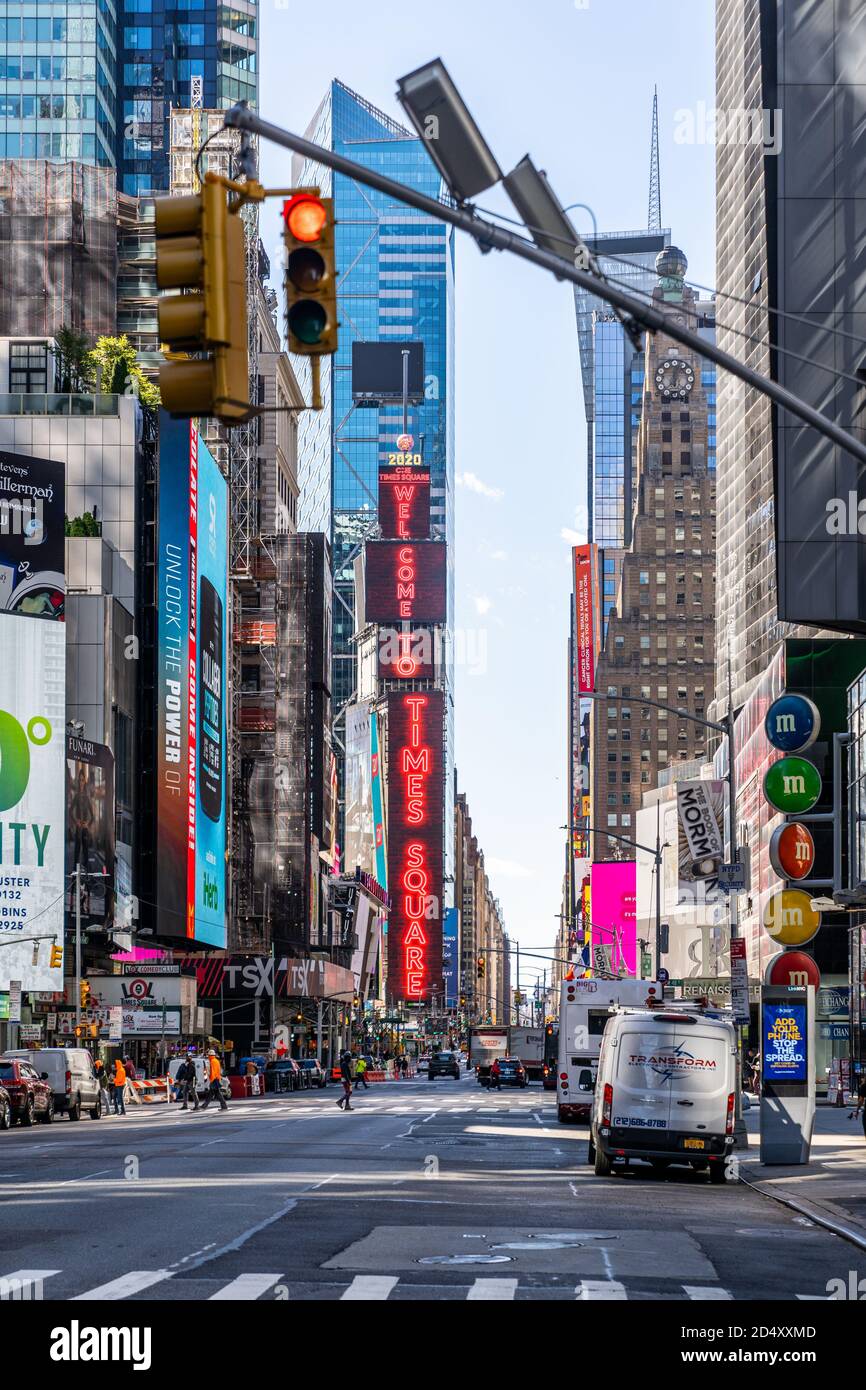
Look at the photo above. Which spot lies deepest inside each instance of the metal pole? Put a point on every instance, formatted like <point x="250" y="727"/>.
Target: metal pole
<point x="273" y="995"/>
<point x="741" y="1139"/>
<point x="404" y="353"/>
<point x="517" y="1002"/>
<point x="491" y="237"/>
<point x="319" y="1031"/>
<point x="658" y="889"/>
<point x="77" y="946"/>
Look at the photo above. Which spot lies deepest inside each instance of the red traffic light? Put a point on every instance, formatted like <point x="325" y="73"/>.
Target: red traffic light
<point x="305" y="216"/>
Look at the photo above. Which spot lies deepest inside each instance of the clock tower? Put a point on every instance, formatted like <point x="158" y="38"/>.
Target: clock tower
<point x="673" y="434"/>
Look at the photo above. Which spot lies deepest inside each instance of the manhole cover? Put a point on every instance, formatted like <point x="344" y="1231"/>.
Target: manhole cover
<point x="464" y="1260"/>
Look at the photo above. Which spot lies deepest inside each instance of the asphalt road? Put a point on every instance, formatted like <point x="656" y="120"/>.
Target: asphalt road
<point x="425" y="1191"/>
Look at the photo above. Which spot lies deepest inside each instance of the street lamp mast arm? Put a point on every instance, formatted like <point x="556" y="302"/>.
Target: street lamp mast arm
<point x="656" y="704"/>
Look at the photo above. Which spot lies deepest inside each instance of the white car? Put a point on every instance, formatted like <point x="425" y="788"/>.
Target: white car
<point x="423" y="1065"/>
<point x="665" y="1090"/>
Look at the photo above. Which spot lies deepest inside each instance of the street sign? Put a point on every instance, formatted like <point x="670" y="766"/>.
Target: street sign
<point x="790" y="918"/>
<point x="792" y="723"/>
<point x="14" y="1014"/>
<point x="739" y="980"/>
<point x="792" y="851"/>
<point x="792" y="785"/>
<point x="663" y="976"/>
<point x="732" y="877"/>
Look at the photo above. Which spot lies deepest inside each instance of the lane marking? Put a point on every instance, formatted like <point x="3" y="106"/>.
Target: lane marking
<point x="600" y="1290"/>
<point x="246" y="1288"/>
<point x="21" y="1279"/>
<point x="492" y="1290"/>
<point x="699" y="1293"/>
<point x="368" y="1288"/>
<point x="125" y="1286"/>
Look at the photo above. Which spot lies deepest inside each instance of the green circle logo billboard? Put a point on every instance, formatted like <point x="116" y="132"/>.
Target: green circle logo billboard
<point x="792" y="785"/>
<point x="15" y="755"/>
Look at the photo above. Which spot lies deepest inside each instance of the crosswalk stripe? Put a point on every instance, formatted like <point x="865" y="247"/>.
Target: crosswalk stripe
<point x="246" y="1288"/>
<point x="368" y="1287"/>
<point x="125" y="1286"/>
<point x="489" y="1290"/>
<point x="599" y="1289"/>
<point x="20" y="1281"/>
<point x="700" y="1293"/>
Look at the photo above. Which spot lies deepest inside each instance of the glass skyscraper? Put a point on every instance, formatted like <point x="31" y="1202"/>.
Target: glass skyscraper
<point x="94" y="81"/>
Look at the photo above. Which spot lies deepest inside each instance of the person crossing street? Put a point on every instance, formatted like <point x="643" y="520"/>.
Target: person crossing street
<point x="215" y="1072"/>
<point x="118" y="1086"/>
<point x="346" y="1077"/>
<point x="361" y="1074"/>
<point x="187" y="1081"/>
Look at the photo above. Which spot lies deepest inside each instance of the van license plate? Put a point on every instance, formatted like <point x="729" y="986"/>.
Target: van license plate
<point x="693" y="1143"/>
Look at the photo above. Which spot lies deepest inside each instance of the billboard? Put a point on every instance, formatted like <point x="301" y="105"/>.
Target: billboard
<point x="377" y="371"/>
<point x="405" y="581"/>
<point x="90" y="825"/>
<point x="404" y="503"/>
<point x="192" y="572"/>
<point x="613" y="893"/>
<point x="32" y="770"/>
<point x="587" y="633"/>
<point x="783" y="1038"/>
<point x="378" y="806"/>
<point x="406" y="653"/>
<point x="32" y="536"/>
<point x="359" y="849"/>
<point x="416" y="784"/>
<point x="700" y="839"/>
<point x="450" y="954"/>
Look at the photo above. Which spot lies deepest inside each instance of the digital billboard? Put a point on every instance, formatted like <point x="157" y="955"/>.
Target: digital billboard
<point x="404" y="503"/>
<point x="416" y="777"/>
<point x="406" y="653"/>
<point x="588" y="636"/>
<point x="191" y="673"/>
<point x="405" y="581"/>
<point x="32" y="536"/>
<point x="613" y="895"/>
<point x="90" y="825"/>
<point x="783" y="1038"/>
<point x="377" y="371"/>
<point x="32" y="762"/>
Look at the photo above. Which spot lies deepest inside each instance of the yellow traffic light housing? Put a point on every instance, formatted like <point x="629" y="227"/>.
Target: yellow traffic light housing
<point x="311" y="275"/>
<point x="56" y="957"/>
<point x="200" y="249"/>
<point x="85" y="994"/>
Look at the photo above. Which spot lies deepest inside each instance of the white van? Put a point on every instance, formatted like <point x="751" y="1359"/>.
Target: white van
<point x="665" y="1091"/>
<point x="71" y="1076"/>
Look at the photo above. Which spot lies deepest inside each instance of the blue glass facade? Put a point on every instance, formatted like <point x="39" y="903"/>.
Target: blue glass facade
<point x="95" y="81"/>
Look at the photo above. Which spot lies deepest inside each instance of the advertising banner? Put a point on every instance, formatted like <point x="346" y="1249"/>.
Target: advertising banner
<point x="191" y="674"/>
<point x="613" y="892"/>
<point x="32" y="773"/>
<point x="416" y="776"/>
<point x="360" y="844"/>
<point x="32" y="536"/>
<point x="700" y="843"/>
<point x="405" y="581"/>
<point x="90" y="824"/>
<point x="584" y="609"/>
<point x="450" y="954"/>
<point x="404" y="503"/>
<point x="406" y="653"/>
<point x="378" y="807"/>
<point x="784" y="1042"/>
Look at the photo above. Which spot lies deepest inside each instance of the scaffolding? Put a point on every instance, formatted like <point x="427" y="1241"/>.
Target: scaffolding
<point x="58" y="248"/>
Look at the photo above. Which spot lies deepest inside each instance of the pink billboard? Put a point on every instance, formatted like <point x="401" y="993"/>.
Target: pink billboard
<point x="613" y="893"/>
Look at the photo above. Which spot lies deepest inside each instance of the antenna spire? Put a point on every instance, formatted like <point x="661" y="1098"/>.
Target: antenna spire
<point x="654" y="217"/>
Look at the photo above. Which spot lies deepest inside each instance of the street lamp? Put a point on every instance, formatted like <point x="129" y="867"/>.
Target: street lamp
<point x="445" y="124"/>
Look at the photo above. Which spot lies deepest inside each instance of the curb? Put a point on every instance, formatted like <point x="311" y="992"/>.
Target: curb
<point x="838" y="1228"/>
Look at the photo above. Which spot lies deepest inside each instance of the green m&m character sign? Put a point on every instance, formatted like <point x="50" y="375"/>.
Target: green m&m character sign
<point x="792" y="785"/>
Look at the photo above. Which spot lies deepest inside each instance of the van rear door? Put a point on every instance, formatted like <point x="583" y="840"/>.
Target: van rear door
<point x="642" y="1081"/>
<point x="702" y="1077"/>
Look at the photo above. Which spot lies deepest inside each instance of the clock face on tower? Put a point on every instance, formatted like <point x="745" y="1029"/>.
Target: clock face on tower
<point x="674" y="379"/>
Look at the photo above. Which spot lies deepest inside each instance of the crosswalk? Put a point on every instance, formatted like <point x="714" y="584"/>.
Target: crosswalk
<point x="35" y="1284"/>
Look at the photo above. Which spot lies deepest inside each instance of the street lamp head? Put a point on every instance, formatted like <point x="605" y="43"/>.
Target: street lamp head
<point x="541" y="210"/>
<point x="443" y="121"/>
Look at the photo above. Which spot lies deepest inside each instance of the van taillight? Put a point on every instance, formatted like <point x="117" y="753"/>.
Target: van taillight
<point x="607" y="1104"/>
<point x="68" y="1082"/>
<point x="729" y="1122"/>
<point x="563" y="1076"/>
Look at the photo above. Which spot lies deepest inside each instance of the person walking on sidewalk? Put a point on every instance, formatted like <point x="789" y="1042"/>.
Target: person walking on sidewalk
<point x="860" y="1108"/>
<point x="361" y="1074"/>
<point x="215" y="1072"/>
<point x="188" y="1083"/>
<point x="346" y="1069"/>
<point x="118" y="1086"/>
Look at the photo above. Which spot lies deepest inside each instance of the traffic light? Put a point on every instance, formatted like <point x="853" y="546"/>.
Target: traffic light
<point x="93" y="1030"/>
<point x="200" y="248"/>
<point x="311" y="275"/>
<point x="56" y="957"/>
<point x="479" y="967"/>
<point x="85" y="994"/>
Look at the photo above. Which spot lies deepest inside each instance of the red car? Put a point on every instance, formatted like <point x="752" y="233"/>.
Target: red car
<point x="32" y="1098"/>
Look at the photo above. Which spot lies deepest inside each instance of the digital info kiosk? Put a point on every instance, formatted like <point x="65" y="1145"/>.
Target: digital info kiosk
<point x="787" y="1020"/>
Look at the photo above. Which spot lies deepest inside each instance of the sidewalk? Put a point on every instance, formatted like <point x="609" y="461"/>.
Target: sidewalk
<point x="831" y="1188"/>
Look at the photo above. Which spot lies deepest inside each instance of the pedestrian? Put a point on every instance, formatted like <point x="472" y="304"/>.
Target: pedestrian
<point x="118" y="1086"/>
<point x="102" y="1078"/>
<point x="215" y="1072"/>
<point x="346" y="1077"/>
<point x="404" y="1066"/>
<point x="187" y="1083"/>
<point x="361" y="1074"/>
<point x="131" y="1073"/>
<point x="860" y="1108"/>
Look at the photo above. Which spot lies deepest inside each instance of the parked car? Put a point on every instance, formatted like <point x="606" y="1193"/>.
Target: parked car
<point x="314" y="1069"/>
<point x="285" y="1075"/>
<point x="5" y="1109"/>
<point x="507" y="1071"/>
<point x="71" y="1076"/>
<point x="29" y="1093"/>
<point x="423" y="1065"/>
<point x="443" y="1064"/>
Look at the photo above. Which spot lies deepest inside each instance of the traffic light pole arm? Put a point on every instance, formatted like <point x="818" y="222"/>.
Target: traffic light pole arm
<point x="26" y="940"/>
<point x="491" y="237"/>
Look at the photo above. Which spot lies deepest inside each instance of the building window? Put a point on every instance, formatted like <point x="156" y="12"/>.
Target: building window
<point x="612" y="820"/>
<point x="28" y="367"/>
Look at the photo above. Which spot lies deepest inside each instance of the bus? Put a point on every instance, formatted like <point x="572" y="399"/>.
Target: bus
<point x="584" y="1008"/>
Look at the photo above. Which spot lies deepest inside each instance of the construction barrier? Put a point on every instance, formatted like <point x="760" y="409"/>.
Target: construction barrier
<point x="148" y="1092"/>
<point x="243" y="1086"/>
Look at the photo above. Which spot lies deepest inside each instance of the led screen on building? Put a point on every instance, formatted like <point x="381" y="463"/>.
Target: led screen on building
<point x="416" y="776"/>
<point x="32" y="536"/>
<point x="191" y="692"/>
<point x="405" y="582"/>
<point x="406" y="653"/>
<point x="404" y="503"/>
<point x="613" y="894"/>
<point x="90" y="824"/>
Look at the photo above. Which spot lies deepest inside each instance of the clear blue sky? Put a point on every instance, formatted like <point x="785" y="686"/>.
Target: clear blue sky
<point x="572" y="85"/>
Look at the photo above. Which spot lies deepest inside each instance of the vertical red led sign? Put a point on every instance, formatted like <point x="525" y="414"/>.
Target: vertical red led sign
<point x="404" y="503"/>
<point x="415" y="843"/>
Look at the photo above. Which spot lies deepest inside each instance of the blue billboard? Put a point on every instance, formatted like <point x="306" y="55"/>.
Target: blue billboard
<point x="192" y="577"/>
<point x="450" y="961"/>
<point x="783" y="1038"/>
